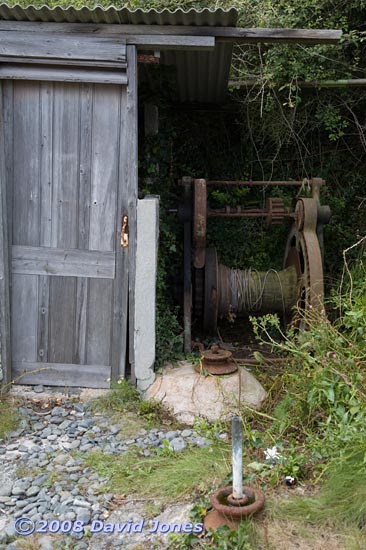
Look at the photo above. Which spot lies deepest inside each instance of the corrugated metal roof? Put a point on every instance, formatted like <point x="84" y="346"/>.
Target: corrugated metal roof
<point x="201" y="76"/>
<point x="98" y="14"/>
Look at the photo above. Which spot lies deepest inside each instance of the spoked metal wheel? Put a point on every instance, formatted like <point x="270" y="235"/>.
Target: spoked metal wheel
<point x="303" y="252"/>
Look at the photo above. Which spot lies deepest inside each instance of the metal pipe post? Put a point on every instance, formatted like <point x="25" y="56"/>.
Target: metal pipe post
<point x="237" y="449"/>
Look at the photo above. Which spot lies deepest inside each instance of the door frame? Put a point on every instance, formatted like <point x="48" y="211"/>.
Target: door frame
<point x="123" y="318"/>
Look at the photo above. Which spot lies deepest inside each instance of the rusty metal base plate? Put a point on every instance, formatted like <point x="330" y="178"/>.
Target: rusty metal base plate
<point x="214" y="520"/>
<point x="224" y="368"/>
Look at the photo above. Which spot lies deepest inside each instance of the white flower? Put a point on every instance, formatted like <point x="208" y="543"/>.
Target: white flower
<point x="272" y="454"/>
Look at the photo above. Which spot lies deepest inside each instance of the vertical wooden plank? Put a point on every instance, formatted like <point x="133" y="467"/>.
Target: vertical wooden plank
<point x="46" y="120"/>
<point x="65" y="218"/>
<point x="65" y="165"/>
<point x="62" y="319"/>
<point x="99" y="322"/>
<point x="120" y="290"/>
<point x="24" y="317"/>
<point x="26" y="193"/>
<point x="104" y="168"/>
<point x="7" y="86"/>
<point x="5" y="340"/>
<point x="104" y="176"/>
<point x="26" y="214"/>
<point x="132" y="190"/>
<point x="82" y="284"/>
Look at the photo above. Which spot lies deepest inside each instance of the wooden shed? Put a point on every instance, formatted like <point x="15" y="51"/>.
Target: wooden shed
<point x="74" y="307"/>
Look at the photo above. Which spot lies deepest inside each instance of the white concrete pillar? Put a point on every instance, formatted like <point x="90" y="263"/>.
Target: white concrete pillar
<point x="145" y="290"/>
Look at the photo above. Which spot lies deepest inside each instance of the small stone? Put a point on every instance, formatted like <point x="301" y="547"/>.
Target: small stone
<point x="177" y="444"/>
<point x="38" y="389"/>
<point x="33" y="491"/>
<point x="65" y="424"/>
<point x="201" y="441"/>
<point x="21" y="503"/>
<point x="18" y="490"/>
<point x="82" y="503"/>
<point x="56" y="420"/>
<point x="171" y="435"/>
<point x="57" y="411"/>
<point x="186" y="433"/>
<point x="84" y="516"/>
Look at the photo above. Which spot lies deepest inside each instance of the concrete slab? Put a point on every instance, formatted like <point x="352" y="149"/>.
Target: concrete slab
<point x="145" y="291"/>
<point x="189" y="394"/>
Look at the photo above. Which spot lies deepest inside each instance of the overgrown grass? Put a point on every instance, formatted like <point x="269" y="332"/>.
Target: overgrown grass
<point x="342" y="499"/>
<point x="124" y="401"/>
<point x="9" y="417"/>
<point x="168" y="476"/>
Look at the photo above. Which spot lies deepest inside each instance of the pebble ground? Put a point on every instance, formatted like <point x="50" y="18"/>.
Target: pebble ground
<point x="44" y="475"/>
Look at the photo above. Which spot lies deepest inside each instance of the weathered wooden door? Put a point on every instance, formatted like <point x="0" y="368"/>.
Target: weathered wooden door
<point x="68" y="160"/>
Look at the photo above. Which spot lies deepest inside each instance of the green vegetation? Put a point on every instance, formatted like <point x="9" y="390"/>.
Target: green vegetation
<point x="9" y="417"/>
<point x="167" y="476"/>
<point x="124" y="401"/>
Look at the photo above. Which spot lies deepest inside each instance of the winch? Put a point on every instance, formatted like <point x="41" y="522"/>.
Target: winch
<point x="213" y="290"/>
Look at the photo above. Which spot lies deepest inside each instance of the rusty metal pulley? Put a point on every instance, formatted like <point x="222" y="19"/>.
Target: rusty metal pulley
<point x="276" y="211"/>
<point x="218" y="361"/>
<point x="303" y="252"/>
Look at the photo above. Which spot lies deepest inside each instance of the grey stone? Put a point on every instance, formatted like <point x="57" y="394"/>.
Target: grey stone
<point x="38" y="389"/>
<point x="84" y="516"/>
<point x="186" y="433"/>
<point x="7" y="478"/>
<point x="21" y="503"/>
<point x="56" y="420"/>
<point x="202" y="441"/>
<point x="82" y="503"/>
<point x="65" y="424"/>
<point x="171" y="435"/>
<point x="33" y="491"/>
<point x="18" y="490"/>
<point x="177" y="444"/>
<point x="57" y="411"/>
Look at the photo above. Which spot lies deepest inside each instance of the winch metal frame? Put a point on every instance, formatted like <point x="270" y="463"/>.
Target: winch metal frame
<point x="304" y="249"/>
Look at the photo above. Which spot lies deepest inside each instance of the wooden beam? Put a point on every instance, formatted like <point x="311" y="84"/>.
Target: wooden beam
<point x="34" y="260"/>
<point x="131" y="168"/>
<point x="5" y="352"/>
<point x="341" y="83"/>
<point x="171" y="42"/>
<point x="57" y="374"/>
<point x="61" y="73"/>
<point x="138" y="33"/>
<point x="84" y="47"/>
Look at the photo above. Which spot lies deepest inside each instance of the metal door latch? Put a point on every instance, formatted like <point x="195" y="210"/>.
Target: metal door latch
<point x="124" y="231"/>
